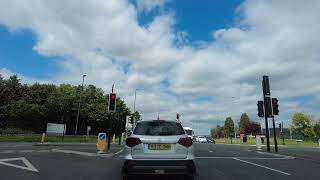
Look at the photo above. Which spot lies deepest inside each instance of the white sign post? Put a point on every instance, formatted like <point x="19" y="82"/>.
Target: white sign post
<point x="56" y="129"/>
<point x="258" y="142"/>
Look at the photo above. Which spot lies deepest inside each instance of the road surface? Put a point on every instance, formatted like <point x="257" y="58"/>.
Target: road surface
<point x="224" y="162"/>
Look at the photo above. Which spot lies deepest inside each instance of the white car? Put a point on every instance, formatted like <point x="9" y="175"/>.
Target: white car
<point x="202" y="139"/>
<point x="158" y="147"/>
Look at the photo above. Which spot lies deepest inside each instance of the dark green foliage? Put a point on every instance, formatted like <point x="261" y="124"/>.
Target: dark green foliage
<point x="31" y="107"/>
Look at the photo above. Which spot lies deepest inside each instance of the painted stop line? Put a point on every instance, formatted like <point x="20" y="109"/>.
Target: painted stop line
<point x="28" y="166"/>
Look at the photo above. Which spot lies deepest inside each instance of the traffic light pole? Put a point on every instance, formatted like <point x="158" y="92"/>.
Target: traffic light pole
<point x="110" y="125"/>
<point x="267" y="132"/>
<point x="274" y="136"/>
<point x="266" y="95"/>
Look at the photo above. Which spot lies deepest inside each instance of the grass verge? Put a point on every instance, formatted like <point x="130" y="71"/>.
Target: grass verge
<point x="287" y="142"/>
<point x="37" y="138"/>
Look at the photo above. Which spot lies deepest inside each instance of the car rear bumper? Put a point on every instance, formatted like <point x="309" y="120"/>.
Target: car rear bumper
<point x="160" y="167"/>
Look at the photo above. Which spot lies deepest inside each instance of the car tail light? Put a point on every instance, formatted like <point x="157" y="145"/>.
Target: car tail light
<point x="132" y="141"/>
<point x="185" y="141"/>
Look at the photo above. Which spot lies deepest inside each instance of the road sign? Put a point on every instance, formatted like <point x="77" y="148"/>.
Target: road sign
<point x="102" y="141"/>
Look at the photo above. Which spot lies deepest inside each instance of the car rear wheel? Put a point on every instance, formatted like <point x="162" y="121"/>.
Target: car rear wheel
<point x="125" y="177"/>
<point x="189" y="177"/>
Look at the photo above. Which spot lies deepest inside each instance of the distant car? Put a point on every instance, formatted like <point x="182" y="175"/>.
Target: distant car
<point x="211" y="140"/>
<point x="158" y="147"/>
<point x="202" y="139"/>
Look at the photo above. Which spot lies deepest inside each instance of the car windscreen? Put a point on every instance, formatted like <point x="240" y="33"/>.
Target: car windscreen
<point x="158" y="128"/>
<point x="189" y="132"/>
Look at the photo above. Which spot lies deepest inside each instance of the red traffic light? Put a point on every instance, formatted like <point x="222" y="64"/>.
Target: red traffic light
<point x="274" y="101"/>
<point x="113" y="96"/>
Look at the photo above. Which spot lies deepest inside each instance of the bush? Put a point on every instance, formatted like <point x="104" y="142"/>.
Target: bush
<point x="13" y="131"/>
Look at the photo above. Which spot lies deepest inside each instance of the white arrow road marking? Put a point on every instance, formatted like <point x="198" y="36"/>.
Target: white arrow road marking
<point x="28" y="167"/>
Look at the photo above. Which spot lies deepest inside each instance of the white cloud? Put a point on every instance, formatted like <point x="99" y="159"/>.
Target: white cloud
<point x="104" y="40"/>
<point x="6" y="73"/>
<point x="148" y="5"/>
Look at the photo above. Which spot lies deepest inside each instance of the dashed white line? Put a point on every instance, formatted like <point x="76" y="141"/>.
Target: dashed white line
<point x="44" y="151"/>
<point x="26" y="151"/>
<point x="7" y="151"/>
<point x="265" y="167"/>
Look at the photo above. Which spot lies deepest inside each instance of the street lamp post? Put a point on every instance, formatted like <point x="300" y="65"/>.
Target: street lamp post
<point x="134" y="107"/>
<point x="79" y="105"/>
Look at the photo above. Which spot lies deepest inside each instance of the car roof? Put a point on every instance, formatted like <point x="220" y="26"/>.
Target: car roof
<point x="159" y="120"/>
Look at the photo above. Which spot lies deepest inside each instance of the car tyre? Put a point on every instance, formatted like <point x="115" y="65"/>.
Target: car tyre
<point x="189" y="177"/>
<point x="125" y="177"/>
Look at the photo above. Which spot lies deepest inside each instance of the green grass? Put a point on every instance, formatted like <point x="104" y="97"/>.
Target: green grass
<point x="288" y="142"/>
<point x="37" y="138"/>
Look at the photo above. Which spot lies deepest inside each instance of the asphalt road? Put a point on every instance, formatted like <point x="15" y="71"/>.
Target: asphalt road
<point x="28" y="162"/>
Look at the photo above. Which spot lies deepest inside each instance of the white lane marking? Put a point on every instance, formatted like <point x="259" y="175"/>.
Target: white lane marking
<point x="73" y="152"/>
<point x="44" y="151"/>
<point x="118" y="152"/>
<point x="273" y="154"/>
<point x="210" y="151"/>
<point x="7" y="151"/>
<point x="221" y="157"/>
<point x="265" y="167"/>
<point x="84" y="153"/>
<point x="27" y="151"/>
<point x="28" y="167"/>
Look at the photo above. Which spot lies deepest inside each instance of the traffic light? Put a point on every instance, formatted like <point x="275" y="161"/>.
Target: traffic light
<point x="260" y="109"/>
<point x="112" y="102"/>
<point x="275" y="106"/>
<point x="280" y="127"/>
<point x="178" y="116"/>
<point x="268" y="107"/>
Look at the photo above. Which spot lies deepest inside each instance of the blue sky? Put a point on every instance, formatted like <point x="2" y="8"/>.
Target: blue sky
<point x="17" y="54"/>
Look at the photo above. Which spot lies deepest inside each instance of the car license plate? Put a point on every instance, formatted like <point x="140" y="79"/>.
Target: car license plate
<point x="159" y="146"/>
<point x="159" y="171"/>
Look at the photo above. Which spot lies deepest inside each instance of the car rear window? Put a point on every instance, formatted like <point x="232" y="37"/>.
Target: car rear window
<point x="189" y="132"/>
<point x="158" y="128"/>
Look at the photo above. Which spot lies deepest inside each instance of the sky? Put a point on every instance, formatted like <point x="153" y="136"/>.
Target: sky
<point x="204" y="60"/>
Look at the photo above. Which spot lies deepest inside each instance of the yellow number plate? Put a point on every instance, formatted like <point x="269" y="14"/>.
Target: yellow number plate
<point x="159" y="146"/>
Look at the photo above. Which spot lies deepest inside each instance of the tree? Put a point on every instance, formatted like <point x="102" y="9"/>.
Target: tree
<point x="244" y="124"/>
<point x="33" y="106"/>
<point x="22" y="115"/>
<point x="255" y="128"/>
<point x="303" y="125"/>
<point x="316" y="129"/>
<point x="213" y="132"/>
<point x="228" y="127"/>
<point x="292" y="131"/>
<point x="220" y="131"/>
<point x="137" y="117"/>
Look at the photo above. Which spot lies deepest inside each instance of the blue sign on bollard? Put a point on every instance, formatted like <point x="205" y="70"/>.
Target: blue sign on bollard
<point x="102" y="136"/>
<point x="101" y="145"/>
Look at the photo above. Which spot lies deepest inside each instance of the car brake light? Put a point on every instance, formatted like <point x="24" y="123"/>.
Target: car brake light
<point x="185" y="141"/>
<point x="132" y="141"/>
